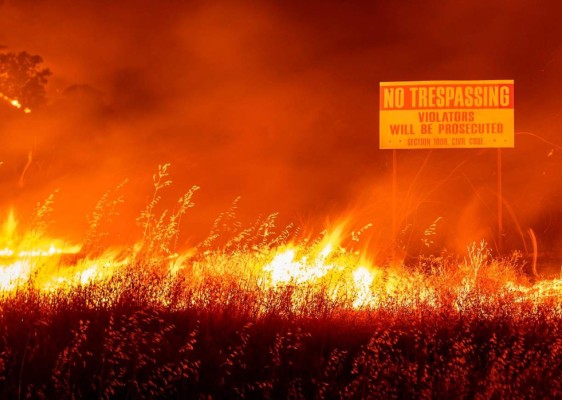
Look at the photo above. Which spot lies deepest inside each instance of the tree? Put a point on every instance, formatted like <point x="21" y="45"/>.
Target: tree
<point x="23" y="79"/>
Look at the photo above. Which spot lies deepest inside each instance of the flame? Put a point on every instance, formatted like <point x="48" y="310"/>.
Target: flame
<point x="286" y="269"/>
<point x="15" y="103"/>
<point x="9" y="228"/>
<point x="14" y="274"/>
<point x="363" y="280"/>
<point x="23" y="257"/>
<point x="301" y="270"/>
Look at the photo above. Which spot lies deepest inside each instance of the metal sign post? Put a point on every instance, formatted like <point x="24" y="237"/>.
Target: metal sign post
<point x="394" y="205"/>
<point x="500" y="203"/>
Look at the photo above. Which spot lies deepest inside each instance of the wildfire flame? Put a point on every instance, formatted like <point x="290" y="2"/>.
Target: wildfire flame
<point x="14" y="103"/>
<point x="324" y="266"/>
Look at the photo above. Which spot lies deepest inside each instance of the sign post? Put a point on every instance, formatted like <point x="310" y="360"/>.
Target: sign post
<point x="447" y="115"/>
<point x="500" y="202"/>
<point x="394" y="203"/>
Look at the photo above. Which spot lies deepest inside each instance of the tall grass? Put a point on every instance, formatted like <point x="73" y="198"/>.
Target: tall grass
<point x="213" y="325"/>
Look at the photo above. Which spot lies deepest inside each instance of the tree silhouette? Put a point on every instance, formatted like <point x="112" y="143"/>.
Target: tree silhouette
<point x="23" y="79"/>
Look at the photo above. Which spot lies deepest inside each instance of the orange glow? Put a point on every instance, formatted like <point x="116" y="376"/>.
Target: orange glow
<point x="306" y="268"/>
<point x="433" y="272"/>
<point x="15" y="103"/>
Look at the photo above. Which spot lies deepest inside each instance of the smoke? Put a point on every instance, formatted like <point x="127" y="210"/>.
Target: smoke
<point x="277" y="103"/>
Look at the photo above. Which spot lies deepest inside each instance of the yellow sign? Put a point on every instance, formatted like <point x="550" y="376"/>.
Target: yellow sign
<point x="446" y="114"/>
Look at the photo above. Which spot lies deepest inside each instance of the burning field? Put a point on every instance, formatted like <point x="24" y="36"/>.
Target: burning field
<point x="265" y="312"/>
<point x="296" y="254"/>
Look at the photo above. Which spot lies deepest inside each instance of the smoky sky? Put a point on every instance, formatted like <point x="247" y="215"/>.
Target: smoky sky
<point x="277" y="102"/>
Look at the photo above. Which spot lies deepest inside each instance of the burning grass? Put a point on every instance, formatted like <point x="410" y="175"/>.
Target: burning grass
<point x="265" y="313"/>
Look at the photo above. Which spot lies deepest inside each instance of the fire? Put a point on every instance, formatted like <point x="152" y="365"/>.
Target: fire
<point x="15" y="103"/>
<point x="14" y="274"/>
<point x="363" y="279"/>
<point x="9" y="228"/>
<point x="27" y="256"/>
<point x="303" y="270"/>
<point x="285" y="269"/>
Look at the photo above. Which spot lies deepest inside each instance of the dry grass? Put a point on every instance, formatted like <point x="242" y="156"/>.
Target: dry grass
<point x="63" y="346"/>
<point x="214" y="325"/>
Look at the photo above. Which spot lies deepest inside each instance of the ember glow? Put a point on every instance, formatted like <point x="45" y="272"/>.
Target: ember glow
<point x="14" y="103"/>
